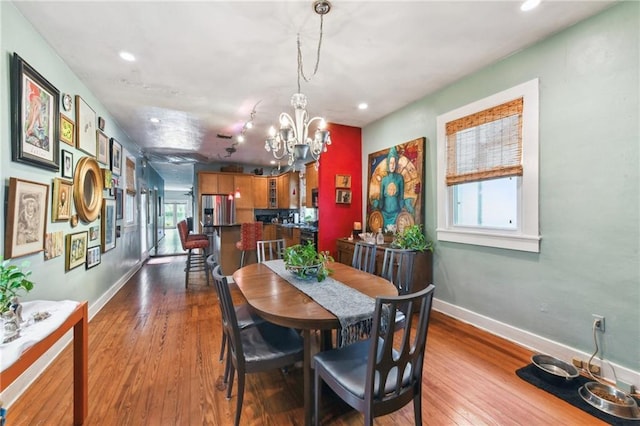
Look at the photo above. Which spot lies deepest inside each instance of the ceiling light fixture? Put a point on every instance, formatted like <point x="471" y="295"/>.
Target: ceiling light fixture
<point x="363" y="105"/>
<point x="127" y="56"/>
<point x="293" y="139"/>
<point x="240" y="137"/>
<point x="529" y="5"/>
<point x="154" y="120"/>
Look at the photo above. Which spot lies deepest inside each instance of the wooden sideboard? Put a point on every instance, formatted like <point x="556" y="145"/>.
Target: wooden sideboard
<point x="422" y="268"/>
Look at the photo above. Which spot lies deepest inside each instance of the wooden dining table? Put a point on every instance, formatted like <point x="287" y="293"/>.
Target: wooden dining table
<point x="276" y="300"/>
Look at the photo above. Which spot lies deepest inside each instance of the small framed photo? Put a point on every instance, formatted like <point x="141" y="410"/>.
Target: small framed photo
<point x="94" y="233"/>
<point x="26" y="218"/>
<point x="76" y="250"/>
<point x="116" y="157"/>
<point x="93" y="257"/>
<point x="101" y="123"/>
<point x="67" y="130"/>
<point x="108" y="225"/>
<point x="103" y="148"/>
<point x="35" y="117"/>
<point x="85" y="127"/>
<point x="61" y="205"/>
<point x="119" y="203"/>
<point x="67" y="164"/>
<point x="343" y="181"/>
<point x="53" y="245"/>
<point x="107" y="178"/>
<point x="343" y="196"/>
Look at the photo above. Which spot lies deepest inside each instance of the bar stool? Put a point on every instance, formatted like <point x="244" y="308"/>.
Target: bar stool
<point x="250" y="233"/>
<point x="195" y="245"/>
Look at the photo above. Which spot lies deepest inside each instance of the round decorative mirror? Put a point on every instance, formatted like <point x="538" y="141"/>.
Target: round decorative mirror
<point x="87" y="189"/>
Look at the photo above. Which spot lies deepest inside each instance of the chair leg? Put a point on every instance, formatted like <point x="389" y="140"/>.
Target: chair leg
<point x="417" y="407"/>
<point x="242" y="258"/>
<point x="232" y="372"/>
<point x="222" y="346"/>
<point x="240" y="397"/>
<point x="187" y="268"/>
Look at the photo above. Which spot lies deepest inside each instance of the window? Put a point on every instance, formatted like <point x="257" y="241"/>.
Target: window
<point x="487" y="184"/>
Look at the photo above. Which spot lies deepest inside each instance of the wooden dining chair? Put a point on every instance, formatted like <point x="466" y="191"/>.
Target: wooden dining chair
<point x="366" y="375"/>
<point x="364" y="257"/>
<point x="397" y="267"/>
<point x="264" y="347"/>
<point x="245" y="316"/>
<point x="270" y="249"/>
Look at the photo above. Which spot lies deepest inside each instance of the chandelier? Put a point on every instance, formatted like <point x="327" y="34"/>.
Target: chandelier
<point x="293" y="139"/>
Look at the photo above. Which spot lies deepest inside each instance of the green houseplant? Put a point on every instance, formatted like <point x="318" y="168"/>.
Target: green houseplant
<point x="307" y="263"/>
<point x="412" y="238"/>
<point x="13" y="282"/>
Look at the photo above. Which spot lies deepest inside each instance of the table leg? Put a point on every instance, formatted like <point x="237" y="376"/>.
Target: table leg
<point x="80" y="368"/>
<point x="308" y="386"/>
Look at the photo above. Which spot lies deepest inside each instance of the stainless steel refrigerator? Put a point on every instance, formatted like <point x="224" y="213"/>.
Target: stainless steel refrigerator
<point x="218" y="209"/>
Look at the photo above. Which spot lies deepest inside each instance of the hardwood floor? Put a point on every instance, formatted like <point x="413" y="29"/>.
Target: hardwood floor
<point x="153" y="360"/>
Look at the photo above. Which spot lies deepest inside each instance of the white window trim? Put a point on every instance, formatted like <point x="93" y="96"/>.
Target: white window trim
<point x="527" y="238"/>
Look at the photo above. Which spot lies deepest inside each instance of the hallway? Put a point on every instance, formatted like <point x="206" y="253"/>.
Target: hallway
<point x="169" y="245"/>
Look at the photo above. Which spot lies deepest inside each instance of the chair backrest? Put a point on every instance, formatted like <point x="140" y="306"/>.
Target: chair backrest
<point x="250" y="234"/>
<point x="212" y="262"/>
<point x="364" y="257"/>
<point x="183" y="231"/>
<point x="270" y="249"/>
<point x="397" y="369"/>
<point x="398" y="268"/>
<point x="229" y="318"/>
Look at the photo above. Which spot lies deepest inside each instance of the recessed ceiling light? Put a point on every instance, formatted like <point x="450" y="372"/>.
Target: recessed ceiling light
<point x="154" y="120"/>
<point x="363" y="105"/>
<point x="127" y="56"/>
<point x="272" y="162"/>
<point x="529" y="5"/>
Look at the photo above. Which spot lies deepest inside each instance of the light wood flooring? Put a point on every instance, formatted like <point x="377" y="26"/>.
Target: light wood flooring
<point x="153" y="360"/>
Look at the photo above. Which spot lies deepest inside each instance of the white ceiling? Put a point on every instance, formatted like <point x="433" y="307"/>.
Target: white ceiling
<point x="202" y="66"/>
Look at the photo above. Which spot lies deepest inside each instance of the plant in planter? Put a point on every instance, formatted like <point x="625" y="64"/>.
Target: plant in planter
<point x="13" y="282"/>
<point x="412" y="238"/>
<point x="307" y="263"/>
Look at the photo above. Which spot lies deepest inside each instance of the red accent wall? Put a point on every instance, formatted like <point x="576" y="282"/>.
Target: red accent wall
<point x="343" y="157"/>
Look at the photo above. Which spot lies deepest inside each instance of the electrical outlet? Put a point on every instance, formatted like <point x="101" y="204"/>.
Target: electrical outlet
<point x="595" y="369"/>
<point x="577" y="362"/>
<point x="598" y="322"/>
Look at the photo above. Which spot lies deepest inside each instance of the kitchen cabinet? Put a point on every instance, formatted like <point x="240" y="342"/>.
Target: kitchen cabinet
<point x="311" y="175"/>
<point x="273" y="192"/>
<point x="260" y="192"/>
<point x="290" y="234"/>
<point x="422" y="267"/>
<point x="288" y="191"/>
<point x="226" y="183"/>
<point x="269" y="231"/>
<point x="207" y="183"/>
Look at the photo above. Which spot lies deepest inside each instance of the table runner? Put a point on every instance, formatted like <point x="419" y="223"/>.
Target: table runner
<point x="353" y="309"/>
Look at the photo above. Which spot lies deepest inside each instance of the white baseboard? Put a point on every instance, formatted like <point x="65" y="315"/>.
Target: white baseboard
<point x="17" y="388"/>
<point x="532" y="341"/>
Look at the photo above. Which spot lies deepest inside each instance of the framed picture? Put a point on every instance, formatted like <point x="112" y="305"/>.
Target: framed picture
<point x="119" y="203"/>
<point x="76" y="250"/>
<point x="116" y="157"/>
<point x="343" y="181"/>
<point x="53" y="245"/>
<point x="85" y="127"/>
<point x="107" y="178"/>
<point x="67" y="130"/>
<point x="101" y="123"/>
<point x="131" y="175"/>
<point x="103" y="148"/>
<point x="67" y="164"/>
<point x="343" y="196"/>
<point x="108" y="225"/>
<point x="35" y="115"/>
<point x="93" y="257"/>
<point x="61" y="204"/>
<point x="26" y="218"/>
<point x="94" y="233"/>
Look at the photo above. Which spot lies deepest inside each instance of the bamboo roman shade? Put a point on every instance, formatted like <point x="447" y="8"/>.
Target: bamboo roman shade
<point x="486" y="144"/>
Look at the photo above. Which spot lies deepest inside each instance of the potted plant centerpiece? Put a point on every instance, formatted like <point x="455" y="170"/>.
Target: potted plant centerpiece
<point x="412" y="238"/>
<point x="13" y="282"/>
<point x="307" y="263"/>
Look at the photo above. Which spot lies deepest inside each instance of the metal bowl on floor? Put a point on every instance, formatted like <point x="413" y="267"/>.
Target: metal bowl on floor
<point x="610" y="400"/>
<point x="554" y="370"/>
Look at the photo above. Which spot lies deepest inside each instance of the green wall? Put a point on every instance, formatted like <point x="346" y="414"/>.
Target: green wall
<point x="589" y="190"/>
<point x="51" y="280"/>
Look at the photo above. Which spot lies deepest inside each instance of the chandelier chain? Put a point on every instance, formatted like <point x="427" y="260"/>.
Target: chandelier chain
<point x="300" y="61"/>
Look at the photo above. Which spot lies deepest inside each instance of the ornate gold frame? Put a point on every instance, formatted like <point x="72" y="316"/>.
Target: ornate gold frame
<point x="87" y="189"/>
